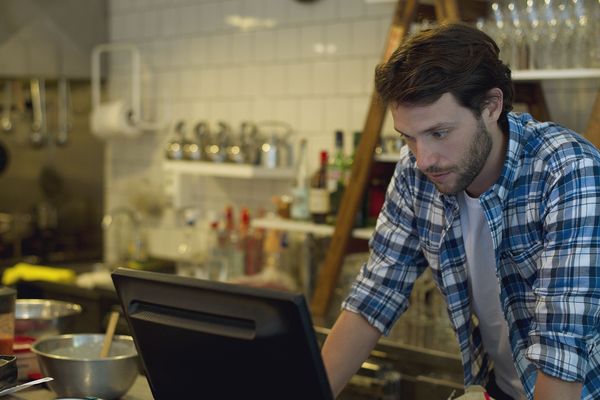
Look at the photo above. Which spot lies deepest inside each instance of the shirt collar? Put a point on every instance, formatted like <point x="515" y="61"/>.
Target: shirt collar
<point x="514" y="159"/>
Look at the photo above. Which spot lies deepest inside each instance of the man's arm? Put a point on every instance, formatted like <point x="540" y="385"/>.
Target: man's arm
<point x="550" y="388"/>
<point x="348" y="344"/>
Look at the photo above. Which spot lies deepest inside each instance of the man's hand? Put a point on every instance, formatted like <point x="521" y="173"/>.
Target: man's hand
<point x="549" y="388"/>
<point x="346" y="347"/>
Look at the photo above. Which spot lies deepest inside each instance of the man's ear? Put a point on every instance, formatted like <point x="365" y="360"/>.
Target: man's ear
<point x="493" y="105"/>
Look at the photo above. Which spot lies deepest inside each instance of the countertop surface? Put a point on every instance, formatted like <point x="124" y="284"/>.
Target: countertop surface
<point x="139" y="391"/>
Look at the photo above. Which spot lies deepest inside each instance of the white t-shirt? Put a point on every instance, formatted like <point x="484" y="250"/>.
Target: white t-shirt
<point x="485" y="294"/>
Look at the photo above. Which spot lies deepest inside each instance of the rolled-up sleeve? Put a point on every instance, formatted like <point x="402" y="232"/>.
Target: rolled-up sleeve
<point x="567" y="288"/>
<point x="382" y="289"/>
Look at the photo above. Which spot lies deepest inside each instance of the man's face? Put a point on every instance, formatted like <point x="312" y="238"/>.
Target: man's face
<point x="450" y="144"/>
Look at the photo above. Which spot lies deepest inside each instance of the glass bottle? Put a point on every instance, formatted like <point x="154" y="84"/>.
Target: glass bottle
<point x="319" y="194"/>
<point x="299" y="209"/>
<point x="337" y="175"/>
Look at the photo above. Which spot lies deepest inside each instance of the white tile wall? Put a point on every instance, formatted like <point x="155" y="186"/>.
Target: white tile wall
<point x="312" y="69"/>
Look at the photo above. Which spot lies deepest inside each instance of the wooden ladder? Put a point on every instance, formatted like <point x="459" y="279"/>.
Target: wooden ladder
<point x="404" y="14"/>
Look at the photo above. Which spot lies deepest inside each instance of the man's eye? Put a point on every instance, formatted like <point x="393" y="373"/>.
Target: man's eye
<point x="439" y="134"/>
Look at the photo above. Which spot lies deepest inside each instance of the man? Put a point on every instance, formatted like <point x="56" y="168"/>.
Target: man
<point x="505" y="211"/>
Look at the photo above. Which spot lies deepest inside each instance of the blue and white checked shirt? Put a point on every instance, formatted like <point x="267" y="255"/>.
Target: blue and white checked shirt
<point x="544" y="216"/>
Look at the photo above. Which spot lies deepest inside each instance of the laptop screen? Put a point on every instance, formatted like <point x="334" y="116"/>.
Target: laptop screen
<point x="216" y="340"/>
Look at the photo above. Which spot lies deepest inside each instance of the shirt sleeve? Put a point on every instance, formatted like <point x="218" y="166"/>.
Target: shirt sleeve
<point x="567" y="289"/>
<point x="382" y="289"/>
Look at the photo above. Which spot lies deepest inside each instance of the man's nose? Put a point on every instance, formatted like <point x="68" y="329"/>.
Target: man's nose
<point x="426" y="156"/>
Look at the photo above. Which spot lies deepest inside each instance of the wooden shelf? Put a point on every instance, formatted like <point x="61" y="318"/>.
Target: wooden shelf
<point x="555" y="74"/>
<point x="305" y="227"/>
<point x="225" y="170"/>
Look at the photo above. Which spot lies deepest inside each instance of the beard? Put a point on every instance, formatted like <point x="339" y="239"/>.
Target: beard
<point x="471" y="165"/>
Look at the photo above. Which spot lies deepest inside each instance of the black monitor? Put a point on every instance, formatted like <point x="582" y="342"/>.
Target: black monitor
<point x="213" y="340"/>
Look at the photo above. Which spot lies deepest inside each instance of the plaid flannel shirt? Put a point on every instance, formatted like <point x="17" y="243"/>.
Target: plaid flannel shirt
<point x="544" y="216"/>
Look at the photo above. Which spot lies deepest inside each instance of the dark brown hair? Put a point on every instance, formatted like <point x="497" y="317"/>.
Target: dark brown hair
<point x="453" y="58"/>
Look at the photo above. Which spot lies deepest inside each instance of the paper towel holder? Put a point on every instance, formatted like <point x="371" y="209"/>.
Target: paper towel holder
<point x="134" y="117"/>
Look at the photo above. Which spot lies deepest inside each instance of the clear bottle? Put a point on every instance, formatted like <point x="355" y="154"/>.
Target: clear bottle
<point x="299" y="209"/>
<point x="234" y="247"/>
<point x="216" y="262"/>
<point x="254" y="249"/>
<point x="337" y="164"/>
<point x="319" y="194"/>
<point x="337" y="171"/>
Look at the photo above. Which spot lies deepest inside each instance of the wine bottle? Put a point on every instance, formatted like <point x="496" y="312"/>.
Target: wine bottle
<point x="337" y="164"/>
<point x="319" y="194"/>
<point x="299" y="209"/>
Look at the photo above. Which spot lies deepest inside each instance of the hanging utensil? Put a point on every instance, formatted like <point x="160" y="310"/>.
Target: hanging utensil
<point x="64" y="112"/>
<point x="4" y="158"/>
<point x="5" y="121"/>
<point x="38" y="135"/>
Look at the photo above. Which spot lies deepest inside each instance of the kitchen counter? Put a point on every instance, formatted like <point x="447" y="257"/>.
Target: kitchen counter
<point x="424" y="352"/>
<point x="139" y="391"/>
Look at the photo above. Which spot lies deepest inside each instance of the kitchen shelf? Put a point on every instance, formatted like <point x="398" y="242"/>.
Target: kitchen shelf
<point x="388" y="157"/>
<point x="226" y="170"/>
<point x="305" y="227"/>
<point x="555" y="74"/>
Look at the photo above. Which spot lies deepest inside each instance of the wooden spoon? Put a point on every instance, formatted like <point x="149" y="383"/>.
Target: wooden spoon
<point x="110" y="332"/>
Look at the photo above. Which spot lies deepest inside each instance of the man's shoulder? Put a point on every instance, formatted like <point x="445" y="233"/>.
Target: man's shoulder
<point x="548" y="142"/>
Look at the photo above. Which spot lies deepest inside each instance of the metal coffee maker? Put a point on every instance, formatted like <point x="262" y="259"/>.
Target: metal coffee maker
<point x="276" y="150"/>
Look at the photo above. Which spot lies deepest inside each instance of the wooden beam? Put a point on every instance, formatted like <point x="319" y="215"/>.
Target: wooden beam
<point x="447" y="11"/>
<point x="592" y="131"/>
<point x="329" y="272"/>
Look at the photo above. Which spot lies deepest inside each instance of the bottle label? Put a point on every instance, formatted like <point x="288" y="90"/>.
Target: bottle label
<point x="318" y="201"/>
<point x="299" y="209"/>
<point x="333" y="176"/>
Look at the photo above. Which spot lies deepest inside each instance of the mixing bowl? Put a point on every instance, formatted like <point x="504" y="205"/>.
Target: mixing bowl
<point x="78" y="371"/>
<point x="38" y="318"/>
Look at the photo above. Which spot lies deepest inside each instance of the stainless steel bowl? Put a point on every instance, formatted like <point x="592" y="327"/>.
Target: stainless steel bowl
<point x="78" y="371"/>
<point x="40" y="318"/>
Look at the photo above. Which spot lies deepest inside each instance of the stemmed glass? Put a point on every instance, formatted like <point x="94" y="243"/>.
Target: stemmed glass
<point x="544" y="34"/>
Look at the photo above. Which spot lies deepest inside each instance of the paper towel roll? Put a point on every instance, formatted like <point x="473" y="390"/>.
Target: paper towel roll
<point x="111" y="119"/>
